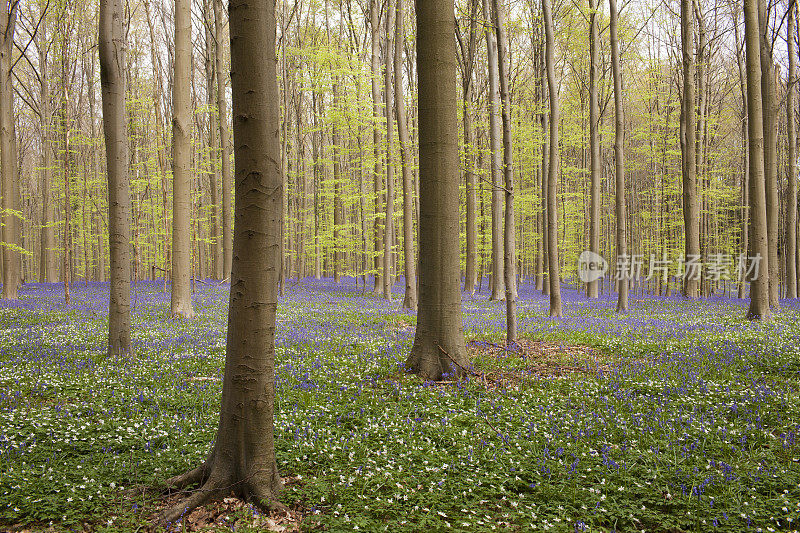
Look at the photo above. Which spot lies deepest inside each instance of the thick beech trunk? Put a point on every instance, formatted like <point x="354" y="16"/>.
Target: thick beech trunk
<point x="112" y="82"/>
<point x="759" y="285"/>
<point x="181" y="304"/>
<point x="242" y="460"/>
<point x="439" y="347"/>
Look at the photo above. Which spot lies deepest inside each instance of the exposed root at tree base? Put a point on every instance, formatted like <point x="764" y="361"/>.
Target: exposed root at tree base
<point x="215" y="504"/>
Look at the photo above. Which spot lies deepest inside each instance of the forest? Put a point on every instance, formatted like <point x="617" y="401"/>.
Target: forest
<point x="394" y="265"/>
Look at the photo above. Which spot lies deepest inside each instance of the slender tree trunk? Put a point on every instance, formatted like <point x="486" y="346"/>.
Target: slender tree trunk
<point x="409" y="259"/>
<point x="439" y="347"/>
<point x="48" y="270"/>
<point x="619" y="154"/>
<point x="388" y="237"/>
<point x="769" y="111"/>
<point x="595" y="171"/>
<point x="759" y="284"/>
<point x="496" y="158"/>
<point x="213" y="142"/>
<point x="374" y="18"/>
<point x="222" y="110"/>
<point x="553" y="166"/>
<point x="112" y="82"/>
<point x="689" y="163"/>
<point x="745" y="214"/>
<point x="242" y="460"/>
<point x="791" y="118"/>
<point x="509" y="244"/>
<point x="181" y="306"/>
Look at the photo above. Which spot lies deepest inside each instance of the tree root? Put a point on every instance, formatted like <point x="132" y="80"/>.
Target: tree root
<point x="214" y="486"/>
<point x="174" y="514"/>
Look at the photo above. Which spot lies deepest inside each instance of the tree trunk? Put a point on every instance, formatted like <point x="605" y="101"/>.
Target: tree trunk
<point x="791" y="118"/>
<point x="374" y="20"/>
<point x="242" y="460"/>
<point x="112" y="81"/>
<point x="553" y="166"/>
<point x="496" y="158"/>
<point x="213" y="143"/>
<point x="388" y="234"/>
<point x="439" y="347"/>
<point x="48" y="272"/>
<point x="409" y="259"/>
<point x="689" y="163"/>
<point x="509" y="245"/>
<point x="759" y="285"/>
<point x="8" y="163"/>
<point x="595" y="172"/>
<point x="222" y="111"/>
<point x="745" y="214"/>
<point x="181" y="305"/>
<point x="619" y="155"/>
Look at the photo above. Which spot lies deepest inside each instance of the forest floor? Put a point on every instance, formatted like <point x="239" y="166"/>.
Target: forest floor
<point x="679" y="416"/>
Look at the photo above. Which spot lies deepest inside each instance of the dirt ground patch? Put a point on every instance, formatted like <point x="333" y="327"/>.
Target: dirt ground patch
<point x="500" y="366"/>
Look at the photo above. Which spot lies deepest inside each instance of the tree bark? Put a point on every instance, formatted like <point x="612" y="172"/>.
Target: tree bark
<point x="595" y="171"/>
<point x="791" y="118"/>
<point x="242" y="460"/>
<point x="409" y="257"/>
<point x="496" y="158"/>
<point x="553" y="168"/>
<point x="509" y="235"/>
<point x="619" y="155"/>
<point x="689" y="163"/>
<point x="388" y="234"/>
<point x="439" y="347"/>
<point x="8" y="159"/>
<point x="213" y="141"/>
<point x="48" y="272"/>
<point x="759" y="285"/>
<point x="112" y="82"/>
<point x="374" y="20"/>
<point x="769" y="110"/>
<point x="181" y="305"/>
<point x="222" y="111"/>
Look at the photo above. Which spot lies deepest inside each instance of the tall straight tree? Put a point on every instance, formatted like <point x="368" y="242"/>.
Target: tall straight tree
<point x="791" y="120"/>
<point x="8" y="159"/>
<point x="769" y="111"/>
<point x="48" y="271"/>
<point x="222" y="113"/>
<point x="213" y="141"/>
<point x="619" y="155"/>
<point x="496" y="157"/>
<point x="242" y="459"/>
<point x="388" y="233"/>
<point x="595" y="170"/>
<point x="552" y="166"/>
<point x="509" y="235"/>
<point x="439" y="346"/>
<point x="759" y="284"/>
<point x="375" y="31"/>
<point x="406" y="160"/>
<point x="181" y="304"/>
<point x="691" y="217"/>
<point x="111" y="47"/>
<point x="468" y="86"/>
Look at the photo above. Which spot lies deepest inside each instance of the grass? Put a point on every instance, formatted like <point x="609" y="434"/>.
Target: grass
<point x="680" y="416"/>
